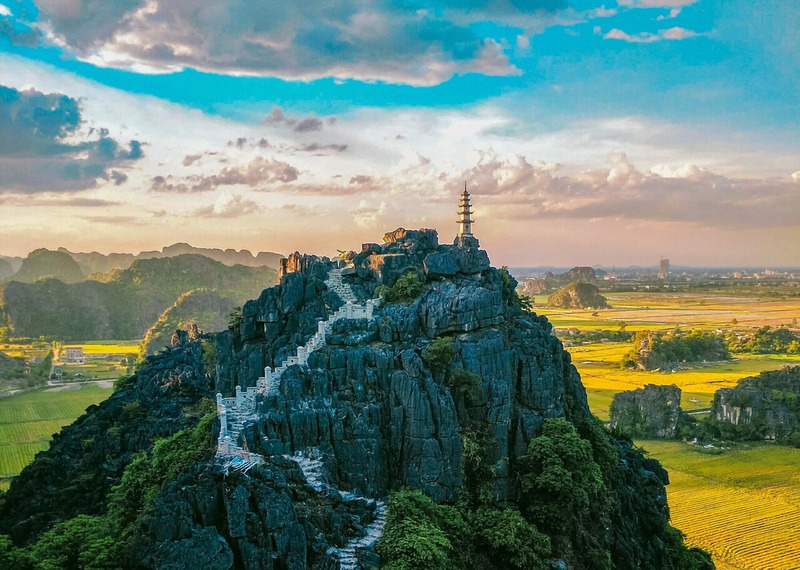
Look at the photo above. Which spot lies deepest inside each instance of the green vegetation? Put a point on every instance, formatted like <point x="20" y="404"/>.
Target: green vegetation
<point x="99" y="542"/>
<point x="146" y="474"/>
<point x="558" y="476"/>
<point x="28" y="420"/>
<point x="578" y="295"/>
<point x="666" y="351"/>
<point x="765" y="340"/>
<point x="206" y="309"/>
<point x="438" y="357"/>
<point x="421" y="535"/>
<point x="405" y="290"/>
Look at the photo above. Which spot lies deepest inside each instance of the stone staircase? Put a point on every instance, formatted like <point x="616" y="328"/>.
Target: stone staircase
<point x="348" y="555"/>
<point x="235" y="412"/>
<point x="337" y="285"/>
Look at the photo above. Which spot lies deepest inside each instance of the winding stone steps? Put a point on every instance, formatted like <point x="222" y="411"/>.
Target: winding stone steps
<point x="348" y="555"/>
<point x="235" y="412"/>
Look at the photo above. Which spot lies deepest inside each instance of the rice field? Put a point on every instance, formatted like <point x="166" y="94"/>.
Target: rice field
<point x="28" y="421"/>
<point x="742" y="505"/>
<point x="598" y="363"/>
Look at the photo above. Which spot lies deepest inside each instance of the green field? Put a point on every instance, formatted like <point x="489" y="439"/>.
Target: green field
<point x="740" y="504"/>
<point x="28" y="421"/>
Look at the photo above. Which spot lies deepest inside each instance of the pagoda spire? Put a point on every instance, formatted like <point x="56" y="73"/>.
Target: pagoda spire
<point x="465" y="220"/>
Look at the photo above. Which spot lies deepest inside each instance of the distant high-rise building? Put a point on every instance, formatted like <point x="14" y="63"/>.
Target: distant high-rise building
<point x="663" y="268"/>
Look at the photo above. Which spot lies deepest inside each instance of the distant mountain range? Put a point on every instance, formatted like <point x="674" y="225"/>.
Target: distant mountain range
<point x="43" y="263"/>
<point x="122" y="303"/>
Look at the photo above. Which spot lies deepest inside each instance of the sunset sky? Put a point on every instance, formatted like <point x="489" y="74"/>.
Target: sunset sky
<point x="588" y="132"/>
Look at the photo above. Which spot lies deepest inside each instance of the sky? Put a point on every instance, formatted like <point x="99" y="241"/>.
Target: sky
<point x="588" y="133"/>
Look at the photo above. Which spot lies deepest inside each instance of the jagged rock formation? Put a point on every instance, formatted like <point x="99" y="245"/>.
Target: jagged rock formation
<point x="578" y="296"/>
<point x="329" y="402"/>
<point x="87" y="458"/>
<point x="652" y="411"/>
<point x="767" y="404"/>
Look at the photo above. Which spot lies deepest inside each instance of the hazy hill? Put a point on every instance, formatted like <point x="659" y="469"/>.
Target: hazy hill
<point x="578" y="296"/>
<point x="207" y="309"/>
<point x="45" y="264"/>
<point x="127" y="302"/>
<point x="100" y="263"/>
<point x="6" y="270"/>
<point x="551" y="282"/>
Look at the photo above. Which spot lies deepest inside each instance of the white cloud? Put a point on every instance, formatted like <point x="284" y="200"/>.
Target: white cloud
<point x="655" y="3"/>
<point x="5" y="10"/>
<point x="675" y="33"/>
<point x="796" y="176"/>
<point x="674" y="13"/>
<point x="387" y="42"/>
<point x="227" y="205"/>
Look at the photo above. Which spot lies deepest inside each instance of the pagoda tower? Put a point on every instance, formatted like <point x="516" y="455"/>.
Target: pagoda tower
<point x="465" y="220"/>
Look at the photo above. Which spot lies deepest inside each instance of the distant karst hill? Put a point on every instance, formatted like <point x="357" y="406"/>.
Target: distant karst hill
<point x="45" y="264"/>
<point x="578" y="296"/>
<point x="206" y="309"/>
<point x="99" y="263"/>
<point x="551" y="282"/>
<point x="125" y="303"/>
<point x="6" y="269"/>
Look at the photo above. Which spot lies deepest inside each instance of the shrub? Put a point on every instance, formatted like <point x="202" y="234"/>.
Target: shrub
<point x="406" y="289"/>
<point x="439" y="355"/>
<point x="510" y="539"/>
<point x="464" y="383"/>
<point x="420" y="534"/>
<point x="558" y="476"/>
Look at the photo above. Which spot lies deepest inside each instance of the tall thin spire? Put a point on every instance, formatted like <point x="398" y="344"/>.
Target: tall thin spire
<point x="465" y="214"/>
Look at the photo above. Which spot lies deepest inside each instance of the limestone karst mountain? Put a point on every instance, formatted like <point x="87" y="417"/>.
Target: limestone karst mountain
<point x="578" y="296"/>
<point x="127" y="302"/>
<point x="413" y="367"/>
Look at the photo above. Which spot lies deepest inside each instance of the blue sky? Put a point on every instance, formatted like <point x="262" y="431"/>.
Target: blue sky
<point x="589" y="132"/>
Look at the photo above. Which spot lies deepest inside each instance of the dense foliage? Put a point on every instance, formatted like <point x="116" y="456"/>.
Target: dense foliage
<point x="438" y="357"/>
<point x="765" y="340"/>
<point x="567" y="499"/>
<point x="407" y="288"/>
<point x="668" y="350"/>
<point x="99" y="542"/>
<point x="421" y="535"/>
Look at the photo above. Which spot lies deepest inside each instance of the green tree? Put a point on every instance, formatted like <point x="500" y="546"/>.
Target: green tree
<point x="558" y="476"/>
<point x="439" y="355"/>
<point x="81" y="543"/>
<point x="510" y="540"/>
<point x="405" y="290"/>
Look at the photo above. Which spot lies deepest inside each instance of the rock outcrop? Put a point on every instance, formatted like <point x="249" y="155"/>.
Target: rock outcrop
<point x="652" y="411"/>
<point x="349" y="418"/>
<point x="578" y="296"/>
<point x="768" y="405"/>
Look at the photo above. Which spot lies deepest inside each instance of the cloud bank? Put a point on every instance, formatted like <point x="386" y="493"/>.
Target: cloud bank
<point x="44" y="148"/>
<point x="384" y="40"/>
